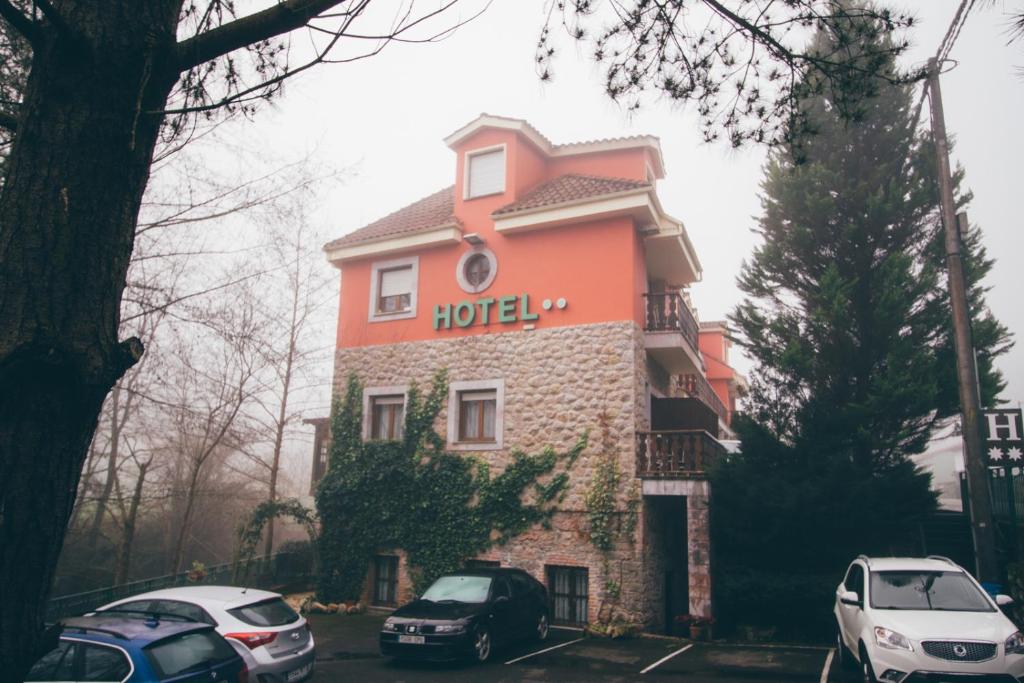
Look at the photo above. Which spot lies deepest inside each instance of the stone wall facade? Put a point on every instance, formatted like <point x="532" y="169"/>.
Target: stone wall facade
<point x="557" y="383"/>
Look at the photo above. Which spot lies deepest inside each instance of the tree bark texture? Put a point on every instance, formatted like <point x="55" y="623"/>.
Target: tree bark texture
<point x="74" y="183"/>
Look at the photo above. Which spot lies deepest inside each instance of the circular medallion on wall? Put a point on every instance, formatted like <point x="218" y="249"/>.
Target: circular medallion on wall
<point x="476" y="270"/>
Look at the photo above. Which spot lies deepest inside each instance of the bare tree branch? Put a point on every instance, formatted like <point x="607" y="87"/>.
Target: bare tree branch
<point x="19" y="22"/>
<point x="281" y="18"/>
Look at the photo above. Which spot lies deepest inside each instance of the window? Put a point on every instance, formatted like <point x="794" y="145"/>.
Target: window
<point x="270" y="612"/>
<point x="385" y="580"/>
<point x="384" y="412"/>
<point x="194" y="650"/>
<point x="387" y="417"/>
<point x="485" y="172"/>
<point x="394" y="293"/>
<point x="183" y="609"/>
<point x="569" y="589"/>
<point x="475" y="415"/>
<point x="477" y="411"/>
<point x="101" y="663"/>
<point x="854" y="580"/>
<point x="476" y="270"/>
<point x="393" y="287"/>
<point x="521" y="585"/>
<point x="56" y="665"/>
<point x="501" y="589"/>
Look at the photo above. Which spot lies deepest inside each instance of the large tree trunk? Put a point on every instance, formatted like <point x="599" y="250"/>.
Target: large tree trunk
<point x="75" y="178"/>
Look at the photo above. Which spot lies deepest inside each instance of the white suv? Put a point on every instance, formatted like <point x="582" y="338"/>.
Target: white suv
<point x="904" y="620"/>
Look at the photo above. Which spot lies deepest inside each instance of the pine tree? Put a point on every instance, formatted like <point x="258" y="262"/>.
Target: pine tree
<point x="845" y="312"/>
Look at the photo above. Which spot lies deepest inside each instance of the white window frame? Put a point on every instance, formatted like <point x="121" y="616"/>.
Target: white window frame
<point x="466" y="171"/>
<point x="454" y="389"/>
<point x="376" y="317"/>
<point x="460" y="270"/>
<point x="370" y="392"/>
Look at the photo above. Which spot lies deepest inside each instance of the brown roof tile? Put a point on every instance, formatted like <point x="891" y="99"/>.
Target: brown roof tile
<point x="430" y="212"/>
<point x="570" y="188"/>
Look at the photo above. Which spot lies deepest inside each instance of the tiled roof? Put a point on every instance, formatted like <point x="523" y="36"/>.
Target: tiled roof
<point x="570" y="188"/>
<point x="430" y="212"/>
<point x="638" y="139"/>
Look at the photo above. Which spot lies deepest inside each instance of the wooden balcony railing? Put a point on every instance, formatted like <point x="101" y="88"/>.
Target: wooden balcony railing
<point x="699" y="388"/>
<point x="685" y="454"/>
<point x="667" y="312"/>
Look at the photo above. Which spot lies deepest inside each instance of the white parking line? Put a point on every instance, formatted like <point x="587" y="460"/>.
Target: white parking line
<point x="828" y="665"/>
<point x="540" y="652"/>
<point x="668" y="657"/>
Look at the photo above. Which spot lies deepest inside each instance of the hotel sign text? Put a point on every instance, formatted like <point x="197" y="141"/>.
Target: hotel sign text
<point x="486" y="310"/>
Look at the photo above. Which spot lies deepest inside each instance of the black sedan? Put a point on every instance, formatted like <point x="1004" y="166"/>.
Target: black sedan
<point x="466" y="614"/>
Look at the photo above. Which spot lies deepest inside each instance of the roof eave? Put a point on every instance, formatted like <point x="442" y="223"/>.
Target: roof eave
<point x="449" y="233"/>
<point x="488" y="121"/>
<point x="634" y="202"/>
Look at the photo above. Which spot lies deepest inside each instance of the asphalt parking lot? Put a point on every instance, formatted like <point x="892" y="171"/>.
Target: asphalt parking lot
<point x="347" y="651"/>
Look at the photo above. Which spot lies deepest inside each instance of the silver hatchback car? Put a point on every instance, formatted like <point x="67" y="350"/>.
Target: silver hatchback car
<point x="275" y="642"/>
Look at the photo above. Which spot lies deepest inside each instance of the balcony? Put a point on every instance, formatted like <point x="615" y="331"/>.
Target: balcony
<point x="679" y="454"/>
<point x="671" y="333"/>
<point x="698" y="387"/>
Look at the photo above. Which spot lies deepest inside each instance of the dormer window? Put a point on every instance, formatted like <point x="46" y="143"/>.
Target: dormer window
<point x="485" y="172"/>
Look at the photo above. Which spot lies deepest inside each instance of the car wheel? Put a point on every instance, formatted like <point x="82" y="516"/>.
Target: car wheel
<point x="482" y="644"/>
<point x="843" y="654"/>
<point x="541" y="633"/>
<point x="867" y="674"/>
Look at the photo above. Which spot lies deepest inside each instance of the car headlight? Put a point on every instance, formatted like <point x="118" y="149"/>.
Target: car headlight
<point x="449" y="628"/>
<point x="390" y="625"/>
<point x="892" y="640"/>
<point x="1014" y="645"/>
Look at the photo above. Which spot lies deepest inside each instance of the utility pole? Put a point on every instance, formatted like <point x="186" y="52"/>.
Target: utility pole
<point x="986" y="565"/>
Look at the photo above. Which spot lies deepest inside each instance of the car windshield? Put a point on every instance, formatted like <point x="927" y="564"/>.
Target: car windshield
<point x="459" y="589"/>
<point x="927" y="590"/>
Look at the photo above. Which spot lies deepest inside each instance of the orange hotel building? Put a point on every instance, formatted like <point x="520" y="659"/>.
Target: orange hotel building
<point x="552" y="285"/>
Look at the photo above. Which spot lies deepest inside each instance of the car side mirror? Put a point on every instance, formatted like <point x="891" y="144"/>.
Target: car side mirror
<point x="1004" y="600"/>
<point x="850" y="598"/>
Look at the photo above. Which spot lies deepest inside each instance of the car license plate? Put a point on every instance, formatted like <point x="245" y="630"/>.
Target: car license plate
<point x="299" y="673"/>
<point x="412" y="640"/>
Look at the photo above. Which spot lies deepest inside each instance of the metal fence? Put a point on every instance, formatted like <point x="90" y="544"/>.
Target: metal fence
<point x="265" y="572"/>
<point x="1001" y="492"/>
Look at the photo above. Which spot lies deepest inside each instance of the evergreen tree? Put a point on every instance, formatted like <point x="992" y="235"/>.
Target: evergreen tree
<point x="845" y="313"/>
<point x="847" y="319"/>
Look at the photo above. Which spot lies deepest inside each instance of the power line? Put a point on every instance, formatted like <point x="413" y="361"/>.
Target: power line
<point x="945" y="47"/>
<point x="953" y="32"/>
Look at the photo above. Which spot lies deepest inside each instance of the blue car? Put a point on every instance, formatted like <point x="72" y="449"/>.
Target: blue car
<point x="116" y="649"/>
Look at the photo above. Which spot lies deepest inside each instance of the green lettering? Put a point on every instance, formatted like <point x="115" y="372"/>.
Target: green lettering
<point x="524" y="308"/>
<point x="464" y="314"/>
<point x="507" y="309"/>
<point x="442" y="316"/>
<point x="485" y="309"/>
